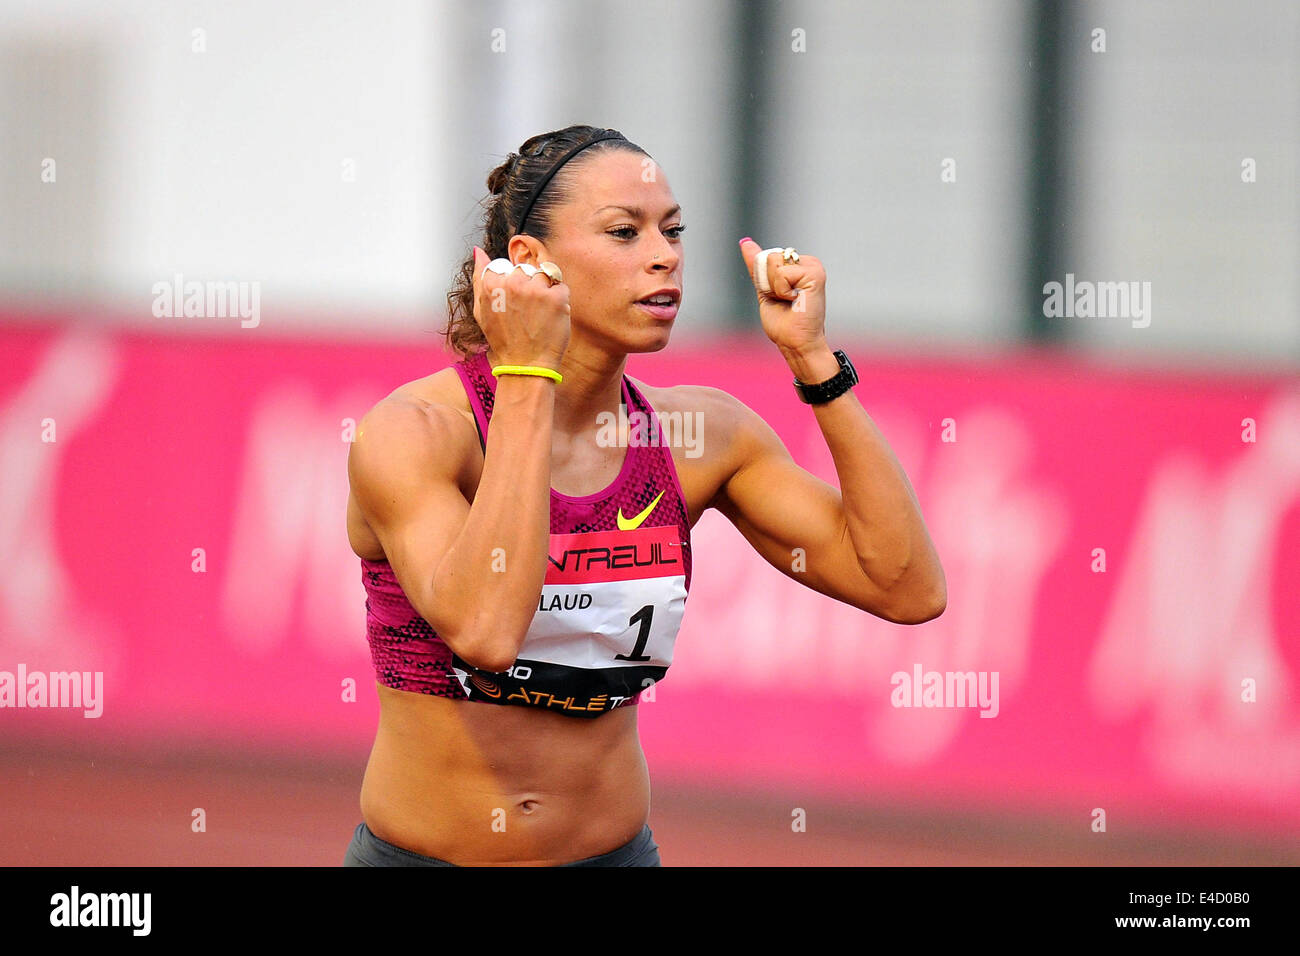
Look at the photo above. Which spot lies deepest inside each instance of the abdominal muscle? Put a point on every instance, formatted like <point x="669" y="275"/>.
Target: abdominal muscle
<point x="478" y="784"/>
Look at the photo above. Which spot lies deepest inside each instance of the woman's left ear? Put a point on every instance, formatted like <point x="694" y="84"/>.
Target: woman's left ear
<point x="533" y="251"/>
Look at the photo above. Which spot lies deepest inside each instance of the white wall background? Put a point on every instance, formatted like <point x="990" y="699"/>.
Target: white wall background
<point x="1184" y="93"/>
<point x="228" y="164"/>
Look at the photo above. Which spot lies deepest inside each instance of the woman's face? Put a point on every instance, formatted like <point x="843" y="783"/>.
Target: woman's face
<point x="618" y="241"/>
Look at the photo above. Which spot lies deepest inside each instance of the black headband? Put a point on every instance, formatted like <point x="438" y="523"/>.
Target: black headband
<point x="541" y="183"/>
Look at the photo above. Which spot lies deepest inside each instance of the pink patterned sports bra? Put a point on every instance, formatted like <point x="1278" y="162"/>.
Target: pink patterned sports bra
<point x="617" y="577"/>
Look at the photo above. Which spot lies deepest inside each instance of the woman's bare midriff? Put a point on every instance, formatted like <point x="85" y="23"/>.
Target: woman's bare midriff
<point x="475" y="783"/>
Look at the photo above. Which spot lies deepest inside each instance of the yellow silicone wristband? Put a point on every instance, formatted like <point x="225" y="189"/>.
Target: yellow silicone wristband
<point x="528" y="370"/>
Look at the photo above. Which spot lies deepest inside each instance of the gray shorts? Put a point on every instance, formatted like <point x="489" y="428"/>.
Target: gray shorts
<point x="366" y="849"/>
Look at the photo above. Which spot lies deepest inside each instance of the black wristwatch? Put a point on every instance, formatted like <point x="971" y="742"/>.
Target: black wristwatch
<point x="833" y="387"/>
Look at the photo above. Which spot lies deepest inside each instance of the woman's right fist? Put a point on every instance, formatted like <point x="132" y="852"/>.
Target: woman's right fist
<point x="524" y="319"/>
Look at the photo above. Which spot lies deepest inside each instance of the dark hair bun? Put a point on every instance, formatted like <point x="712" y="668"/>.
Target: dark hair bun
<point x="497" y="179"/>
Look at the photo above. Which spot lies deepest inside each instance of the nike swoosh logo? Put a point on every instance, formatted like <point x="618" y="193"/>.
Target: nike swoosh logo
<point x="627" y="524"/>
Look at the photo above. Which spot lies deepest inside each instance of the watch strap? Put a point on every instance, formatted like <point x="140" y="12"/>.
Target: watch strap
<point x="818" y="393"/>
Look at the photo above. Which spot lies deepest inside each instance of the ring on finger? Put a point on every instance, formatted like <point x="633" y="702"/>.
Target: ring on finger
<point x="552" y="271"/>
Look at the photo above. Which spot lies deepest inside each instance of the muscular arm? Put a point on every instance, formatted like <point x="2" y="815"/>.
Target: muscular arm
<point x="867" y="546"/>
<point x="403" y="469"/>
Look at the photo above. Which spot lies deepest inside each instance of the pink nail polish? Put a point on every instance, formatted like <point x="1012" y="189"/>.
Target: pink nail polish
<point x="746" y="239"/>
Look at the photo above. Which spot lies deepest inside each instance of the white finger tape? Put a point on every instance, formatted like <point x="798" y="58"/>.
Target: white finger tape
<point x="760" y="268"/>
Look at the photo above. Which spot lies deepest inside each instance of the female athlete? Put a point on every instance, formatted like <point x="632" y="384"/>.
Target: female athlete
<point x="525" y="581"/>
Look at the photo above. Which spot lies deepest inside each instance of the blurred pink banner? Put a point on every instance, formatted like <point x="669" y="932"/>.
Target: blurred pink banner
<point x="1122" y="552"/>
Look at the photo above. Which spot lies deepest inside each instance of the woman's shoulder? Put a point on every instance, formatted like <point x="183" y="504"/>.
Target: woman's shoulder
<point x="718" y="410"/>
<point x="431" y="406"/>
<point x="439" y="395"/>
<point x="442" y="387"/>
<point x="685" y="398"/>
